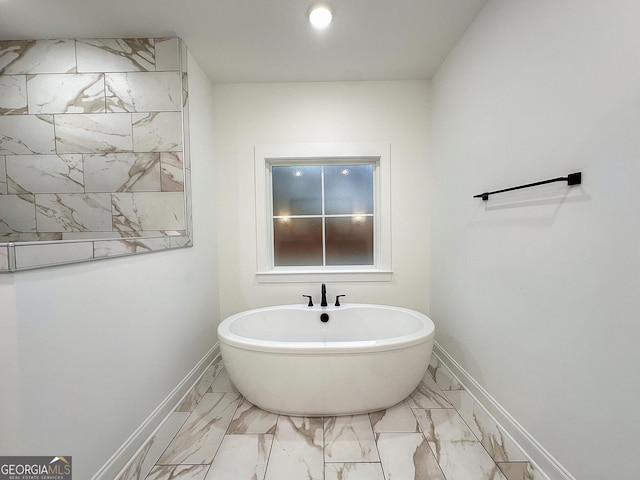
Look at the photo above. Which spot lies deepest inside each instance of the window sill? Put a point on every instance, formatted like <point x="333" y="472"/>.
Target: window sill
<point x="314" y="276"/>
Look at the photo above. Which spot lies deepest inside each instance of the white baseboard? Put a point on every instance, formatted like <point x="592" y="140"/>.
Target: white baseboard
<point x="136" y="441"/>
<point x="540" y="457"/>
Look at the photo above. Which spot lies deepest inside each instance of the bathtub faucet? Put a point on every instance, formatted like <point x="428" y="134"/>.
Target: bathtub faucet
<point x="323" y="303"/>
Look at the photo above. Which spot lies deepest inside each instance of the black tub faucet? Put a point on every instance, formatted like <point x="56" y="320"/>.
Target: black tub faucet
<point x="323" y="303"/>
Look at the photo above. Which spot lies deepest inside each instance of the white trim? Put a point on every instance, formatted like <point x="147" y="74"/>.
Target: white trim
<point x="265" y="154"/>
<point x="130" y="448"/>
<point x="332" y="276"/>
<point x="538" y="455"/>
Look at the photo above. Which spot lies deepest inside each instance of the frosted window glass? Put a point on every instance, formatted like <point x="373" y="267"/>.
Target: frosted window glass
<point x="349" y="241"/>
<point x="297" y="241"/>
<point x="297" y="190"/>
<point x="348" y="189"/>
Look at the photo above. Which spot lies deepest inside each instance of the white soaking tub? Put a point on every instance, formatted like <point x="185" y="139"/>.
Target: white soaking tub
<point x="365" y="358"/>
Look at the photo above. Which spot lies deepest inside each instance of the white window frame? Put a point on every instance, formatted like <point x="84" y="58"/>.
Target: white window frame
<point x="266" y="155"/>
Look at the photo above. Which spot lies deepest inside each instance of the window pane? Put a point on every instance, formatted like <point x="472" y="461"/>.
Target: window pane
<point x="297" y="190"/>
<point x="348" y="189"/>
<point x="297" y="241"/>
<point x="349" y="241"/>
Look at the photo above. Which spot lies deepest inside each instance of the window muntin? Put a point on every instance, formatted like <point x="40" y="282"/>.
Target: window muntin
<point x="323" y="214"/>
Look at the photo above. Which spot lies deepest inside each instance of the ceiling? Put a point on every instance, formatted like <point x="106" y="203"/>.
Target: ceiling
<point x="238" y="41"/>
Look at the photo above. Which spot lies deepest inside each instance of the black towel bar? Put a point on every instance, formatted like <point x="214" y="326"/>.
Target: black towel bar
<point x="571" y="179"/>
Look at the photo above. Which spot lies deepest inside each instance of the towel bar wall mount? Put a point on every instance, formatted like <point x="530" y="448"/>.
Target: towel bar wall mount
<point x="571" y="179"/>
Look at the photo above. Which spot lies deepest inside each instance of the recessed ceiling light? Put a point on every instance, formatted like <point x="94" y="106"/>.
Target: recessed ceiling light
<point x="320" y="16"/>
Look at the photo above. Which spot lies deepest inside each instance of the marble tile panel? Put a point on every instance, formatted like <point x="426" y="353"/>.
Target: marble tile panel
<point x="398" y="418"/>
<point x="73" y="212"/>
<point x="167" y="54"/>
<point x="45" y="173"/>
<point x="442" y="376"/>
<point x="157" y="131"/>
<point x="171" y="172"/>
<point x="144" y="461"/>
<point x="353" y="471"/>
<point x="37" y="56"/>
<point x="184" y="60"/>
<point x="17" y="213"/>
<point x="178" y="472"/>
<point x="89" y="235"/>
<point x="30" y="237"/>
<point x="407" y="456"/>
<point x="93" y="133"/>
<point x="4" y="258"/>
<point x="251" y="419"/>
<point x="186" y="148"/>
<point x="296" y="453"/>
<point x="148" y="211"/>
<point x="24" y="134"/>
<point x="66" y="93"/>
<point x="428" y="395"/>
<point x="191" y="399"/>
<point x="28" y="256"/>
<point x="122" y="172"/>
<point x="241" y="457"/>
<point x="115" y="55"/>
<point x="517" y="471"/>
<point x="222" y="383"/>
<point x="183" y="241"/>
<point x="499" y="445"/>
<point x="349" y="439"/>
<point x="13" y="94"/>
<point x="143" y="92"/>
<point x="459" y="453"/>
<point x="200" y="437"/>
<point x="112" y="248"/>
<point x="3" y="175"/>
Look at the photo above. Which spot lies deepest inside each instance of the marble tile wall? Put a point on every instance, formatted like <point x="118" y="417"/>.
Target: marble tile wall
<point x="92" y="143"/>
<point x="438" y="433"/>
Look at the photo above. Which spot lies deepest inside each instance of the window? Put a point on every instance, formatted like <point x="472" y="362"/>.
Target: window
<point x="322" y="214"/>
<point x="322" y="209"/>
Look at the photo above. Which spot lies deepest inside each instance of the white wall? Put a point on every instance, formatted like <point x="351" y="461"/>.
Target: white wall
<point x="102" y="344"/>
<point x="539" y="300"/>
<point x="250" y="114"/>
<point x="10" y="393"/>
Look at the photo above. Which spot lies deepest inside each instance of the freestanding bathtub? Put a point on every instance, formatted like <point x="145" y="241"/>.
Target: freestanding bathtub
<point x="364" y="358"/>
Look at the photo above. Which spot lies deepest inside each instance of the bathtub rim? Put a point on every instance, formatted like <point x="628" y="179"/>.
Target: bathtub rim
<point x="351" y="347"/>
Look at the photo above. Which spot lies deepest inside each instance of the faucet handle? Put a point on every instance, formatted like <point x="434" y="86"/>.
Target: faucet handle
<point x="338" y="299"/>
<point x="310" y="304"/>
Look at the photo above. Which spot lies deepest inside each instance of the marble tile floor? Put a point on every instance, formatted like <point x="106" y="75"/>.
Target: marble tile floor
<point x="438" y="433"/>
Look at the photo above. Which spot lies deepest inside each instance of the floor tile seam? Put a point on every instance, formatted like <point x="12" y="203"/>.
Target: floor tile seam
<point x="480" y="440"/>
<point x="364" y="463"/>
<point x="151" y="439"/>
<point x="179" y="465"/>
<point x="180" y="429"/>
<point x="461" y="417"/>
<point x="195" y="384"/>
<point x="239" y="402"/>
<point x="475" y="402"/>
<point x="522" y="462"/>
<point x="375" y="442"/>
<point x="273" y="440"/>
<point x="477" y="440"/>
<point x="435" y="454"/>
<point x="165" y="419"/>
<point x="424" y="438"/>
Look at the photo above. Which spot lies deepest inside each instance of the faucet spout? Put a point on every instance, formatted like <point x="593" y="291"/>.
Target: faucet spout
<point x="323" y="303"/>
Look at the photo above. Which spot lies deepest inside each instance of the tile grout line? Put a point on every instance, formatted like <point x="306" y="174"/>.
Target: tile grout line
<point x="499" y="427"/>
<point x="185" y="420"/>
